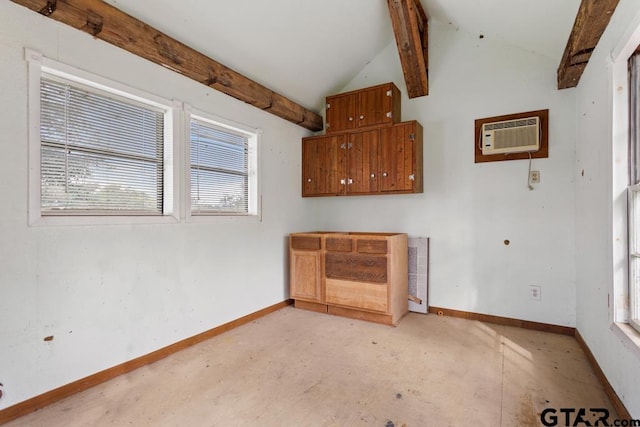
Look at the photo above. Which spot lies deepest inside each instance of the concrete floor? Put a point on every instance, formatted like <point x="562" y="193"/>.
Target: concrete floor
<point x="299" y="368"/>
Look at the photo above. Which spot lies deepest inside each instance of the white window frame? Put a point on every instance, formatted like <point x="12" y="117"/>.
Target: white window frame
<point x="620" y="307"/>
<point x="37" y="65"/>
<point x="634" y="257"/>
<point x="255" y="195"/>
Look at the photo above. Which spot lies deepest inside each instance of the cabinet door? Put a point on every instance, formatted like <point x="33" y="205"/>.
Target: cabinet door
<point x="341" y="110"/>
<point x="374" y="106"/>
<point x="323" y="165"/>
<point x="362" y="162"/>
<point x="397" y="157"/>
<point x="305" y="275"/>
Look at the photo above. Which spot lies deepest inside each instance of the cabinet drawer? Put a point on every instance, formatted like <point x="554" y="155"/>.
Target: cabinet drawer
<point x="305" y="242"/>
<point x="372" y="246"/>
<point x="339" y="244"/>
<point x="367" y="268"/>
<point x="368" y="296"/>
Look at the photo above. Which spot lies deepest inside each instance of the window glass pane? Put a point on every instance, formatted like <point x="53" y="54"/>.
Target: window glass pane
<point x="634" y="297"/>
<point x="213" y="148"/>
<point x="633" y="220"/>
<point x="99" y="153"/>
<point x="634" y="210"/>
<point x="218" y="192"/>
<point x="74" y="180"/>
<point x="219" y="169"/>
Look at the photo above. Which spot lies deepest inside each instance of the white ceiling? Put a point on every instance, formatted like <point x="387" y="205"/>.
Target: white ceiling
<point x="307" y="49"/>
<point x="540" y="26"/>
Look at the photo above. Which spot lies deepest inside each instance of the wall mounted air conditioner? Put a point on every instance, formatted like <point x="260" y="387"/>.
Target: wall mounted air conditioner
<point x="511" y="136"/>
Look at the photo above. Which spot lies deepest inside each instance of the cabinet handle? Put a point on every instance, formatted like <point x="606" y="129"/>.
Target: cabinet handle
<point x="343" y="182"/>
<point x="412" y="177"/>
<point x="350" y="119"/>
<point x="361" y="117"/>
<point x="384" y="174"/>
<point x="350" y="181"/>
<point x="373" y="175"/>
<point x="308" y="179"/>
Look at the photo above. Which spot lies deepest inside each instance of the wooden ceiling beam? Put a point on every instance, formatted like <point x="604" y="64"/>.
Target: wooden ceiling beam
<point x="591" y="21"/>
<point x="107" y="23"/>
<point x="410" y="27"/>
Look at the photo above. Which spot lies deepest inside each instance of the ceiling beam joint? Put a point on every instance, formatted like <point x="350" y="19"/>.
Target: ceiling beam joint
<point x="49" y="8"/>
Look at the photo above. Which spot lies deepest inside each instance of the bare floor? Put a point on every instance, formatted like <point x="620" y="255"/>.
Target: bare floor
<point x="299" y="368"/>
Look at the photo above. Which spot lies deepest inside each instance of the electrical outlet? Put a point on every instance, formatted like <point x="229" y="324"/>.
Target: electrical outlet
<point x="534" y="177"/>
<point x="535" y="292"/>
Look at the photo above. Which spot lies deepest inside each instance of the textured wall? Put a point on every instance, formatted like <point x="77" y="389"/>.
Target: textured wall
<point x="108" y="294"/>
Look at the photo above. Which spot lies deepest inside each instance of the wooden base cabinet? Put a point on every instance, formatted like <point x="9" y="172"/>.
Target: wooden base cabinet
<point x="358" y="275"/>
<point x="306" y="267"/>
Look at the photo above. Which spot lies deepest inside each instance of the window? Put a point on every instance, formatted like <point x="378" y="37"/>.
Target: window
<point x="99" y="153"/>
<point x="222" y="168"/>
<point x="634" y="191"/>
<point x="98" y="149"/>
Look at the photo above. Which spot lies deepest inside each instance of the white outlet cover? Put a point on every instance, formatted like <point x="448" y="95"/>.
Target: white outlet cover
<point x="535" y="177"/>
<point x="535" y="292"/>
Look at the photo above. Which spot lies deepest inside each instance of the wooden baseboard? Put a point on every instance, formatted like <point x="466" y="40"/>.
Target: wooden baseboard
<point x="613" y="396"/>
<point x="38" y="402"/>
<point x="506" y="321"/>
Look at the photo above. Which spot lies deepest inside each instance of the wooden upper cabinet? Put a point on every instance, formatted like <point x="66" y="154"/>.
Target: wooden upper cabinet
<point x="375" y="161"/>
<point x="362" y="162"/>
<point x="364" y="150"/>
<point x="372" y="106"/>
<point x="401" y="158"/>
<point x="323" y="165"/>
<point x="341" y="112"/>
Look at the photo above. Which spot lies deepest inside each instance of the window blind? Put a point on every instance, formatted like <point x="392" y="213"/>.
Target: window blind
<point x="100" y="153"/>
<point x="219" y="169"/>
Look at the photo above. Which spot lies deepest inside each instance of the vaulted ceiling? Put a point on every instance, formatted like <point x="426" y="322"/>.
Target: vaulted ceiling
<point x="285" y="56"/>
<point x="301" y="49"/>
<point x="307" y="49"/>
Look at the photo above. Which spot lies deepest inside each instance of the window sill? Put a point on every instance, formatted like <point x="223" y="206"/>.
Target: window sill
<point x="47" y="221"/>
<point x="200" y="219"/>
<point x="628" y="335"/>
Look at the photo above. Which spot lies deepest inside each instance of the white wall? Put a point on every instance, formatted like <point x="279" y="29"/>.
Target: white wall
<point x="111" y="293"/>
<point x="600" y="231"/>
<point x="469" y="209"/>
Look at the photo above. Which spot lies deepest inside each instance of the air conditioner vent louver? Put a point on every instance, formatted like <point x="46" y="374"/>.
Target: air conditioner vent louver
<point x="510" y="124"/>
<point x="511" y="136"/>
